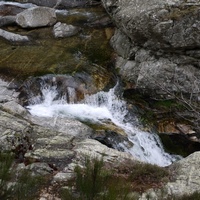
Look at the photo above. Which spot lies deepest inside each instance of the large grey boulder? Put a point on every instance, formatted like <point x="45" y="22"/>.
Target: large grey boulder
<point x="121" y="44"/>
<point x="185" y="181"/>
<point x="64" y="125"/>
<point x="14" y="108"/>
<point x="36" y="17"/>
<point x="95" y="149"/>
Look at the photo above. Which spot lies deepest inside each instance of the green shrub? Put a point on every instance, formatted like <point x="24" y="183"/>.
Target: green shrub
<point x="94" y="182"/>
<point x="143" y="176"/>
<point x="17" y="185"/>
<point x="91" y="180"/>
<point x="6" y="161"/>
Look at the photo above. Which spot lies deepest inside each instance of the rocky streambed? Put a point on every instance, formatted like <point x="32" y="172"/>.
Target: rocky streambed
<point x="71" y="39"/>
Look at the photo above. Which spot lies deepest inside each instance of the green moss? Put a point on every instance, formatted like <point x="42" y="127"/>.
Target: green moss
<point x="95" y="182"/>
<point x="176" y="14"/>
<point x="168" y="105"/>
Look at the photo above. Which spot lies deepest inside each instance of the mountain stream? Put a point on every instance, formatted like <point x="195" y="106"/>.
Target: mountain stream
<point x="100" y="108"/>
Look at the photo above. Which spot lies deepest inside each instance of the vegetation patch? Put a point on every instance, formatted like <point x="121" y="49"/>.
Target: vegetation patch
<point x="143" y="176"/>
<point x="176" y="14"/>
<point x="97" y="181"/>
<point x="18" y="185"/>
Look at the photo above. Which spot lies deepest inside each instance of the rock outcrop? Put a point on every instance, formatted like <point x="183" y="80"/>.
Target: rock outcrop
<point x="185" y="180"/>
<point x="158" y="44"/>
<point x="158" y="24"/>
<point x="160" y="47"/>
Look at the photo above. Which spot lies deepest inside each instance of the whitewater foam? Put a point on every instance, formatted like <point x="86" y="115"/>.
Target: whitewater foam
<point x="101" y="107"/>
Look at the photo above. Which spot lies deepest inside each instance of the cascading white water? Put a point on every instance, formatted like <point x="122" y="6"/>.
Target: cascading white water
<point x="102" y="107"/>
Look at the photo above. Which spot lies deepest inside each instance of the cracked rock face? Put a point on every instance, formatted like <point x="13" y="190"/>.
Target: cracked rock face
<point x="186" y="180"/>
<point x="157" y="42"/>
<point x="158" y="24"/>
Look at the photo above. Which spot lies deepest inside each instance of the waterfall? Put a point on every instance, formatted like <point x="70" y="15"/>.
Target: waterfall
<point x="105" y="107"/>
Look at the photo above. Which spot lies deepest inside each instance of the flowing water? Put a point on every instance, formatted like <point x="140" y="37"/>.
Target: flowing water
<point x="104" y="107"/>
<point x="89" y="50"/>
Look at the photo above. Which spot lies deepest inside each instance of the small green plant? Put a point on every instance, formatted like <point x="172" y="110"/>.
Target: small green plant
<point x="91" y="180"/>
<point x="94" y="182"/>
<point x="143" y="176"/>
<point x="151" y="175"/>
<point x="27" y="186"/>
<point x="6" y="161"/>
<point x="17" y="185"/>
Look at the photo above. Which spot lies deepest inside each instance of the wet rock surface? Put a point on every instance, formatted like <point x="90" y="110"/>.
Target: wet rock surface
<point x="36" y="17"/>
<point x="13" y="37"/>
<point x="64" y="30"/>
<point x="70" y="88"/>
<point x="58" y="142"/>
<point x="112" y="139"/>
<point x="10" y="10"/>
<point x="62" y="3"/>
